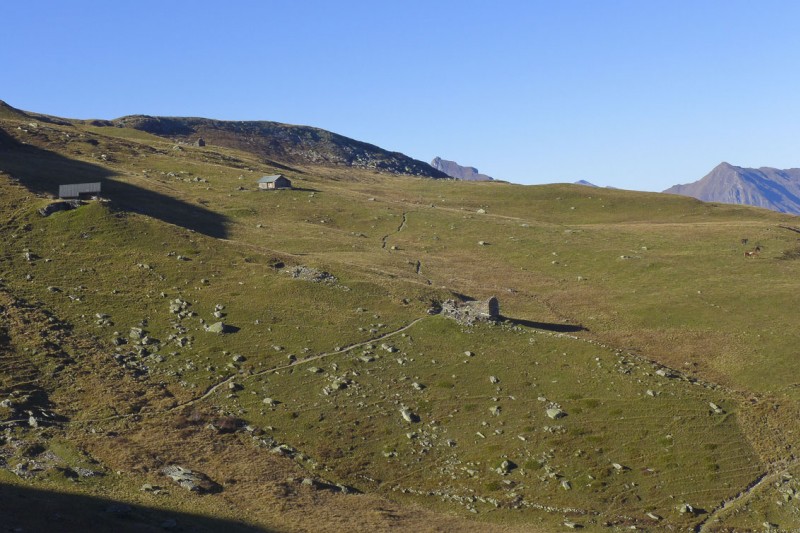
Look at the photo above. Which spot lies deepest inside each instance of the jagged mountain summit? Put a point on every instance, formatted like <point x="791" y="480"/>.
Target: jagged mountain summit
<point x="454" y="170"/>
<point x="766" y="187"/>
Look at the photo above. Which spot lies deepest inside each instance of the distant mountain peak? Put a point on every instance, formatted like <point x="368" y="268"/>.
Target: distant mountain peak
<point x="585" y="183"/>
<point x="454" y="170"/>
<point x="767" y="187"/>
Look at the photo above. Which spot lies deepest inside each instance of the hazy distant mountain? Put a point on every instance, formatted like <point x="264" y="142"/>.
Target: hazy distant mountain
<point x="585" y="183"/>
<point x="454" y="170"/>
<point x="766" y="187"/>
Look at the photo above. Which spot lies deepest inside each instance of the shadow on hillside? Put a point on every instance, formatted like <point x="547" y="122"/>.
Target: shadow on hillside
<point x="31" y="509"/>
<point x="547" y="326"/>
<point x="42" y="171"/>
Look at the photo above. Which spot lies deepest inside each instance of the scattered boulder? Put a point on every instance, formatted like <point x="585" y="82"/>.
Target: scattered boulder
<point x="190" y="480"/>
<point x="556" y="413"/>
<point x="284" y="449"/>
<point x="408" y="415"/>
<point x="506" y="467"/>
<point x="178" y="306"/>
<point x="226" y="424"/>
<point x="311" y="274"/>
<point x="219" y="327"/>
<point x="55" y="207"/>
<point x="666" y="373"/>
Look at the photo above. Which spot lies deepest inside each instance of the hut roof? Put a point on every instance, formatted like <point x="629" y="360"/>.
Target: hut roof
<point x="270" y="179"/>
<point x="75" y="189"/>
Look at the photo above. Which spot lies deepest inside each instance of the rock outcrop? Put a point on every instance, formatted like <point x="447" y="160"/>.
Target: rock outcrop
<point x="191" y="480"/>
<point x="284" y="143"/>
<point x="454" y="170"/>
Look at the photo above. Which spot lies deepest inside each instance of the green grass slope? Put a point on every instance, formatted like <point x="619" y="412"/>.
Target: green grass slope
<point x="630" y="312"/>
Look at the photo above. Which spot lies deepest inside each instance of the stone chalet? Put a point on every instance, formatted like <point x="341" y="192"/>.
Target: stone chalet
<point x="278" y="181"/>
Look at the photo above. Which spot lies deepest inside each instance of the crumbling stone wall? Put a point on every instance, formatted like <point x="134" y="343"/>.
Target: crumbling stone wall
<point x="471" y="311"/>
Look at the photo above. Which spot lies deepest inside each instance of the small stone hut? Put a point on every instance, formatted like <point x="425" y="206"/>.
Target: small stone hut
<point x="200" y="142"/>
<point x="277" y="181"/>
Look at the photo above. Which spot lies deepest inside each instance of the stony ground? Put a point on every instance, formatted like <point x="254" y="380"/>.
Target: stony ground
<point x="195" y="354"/>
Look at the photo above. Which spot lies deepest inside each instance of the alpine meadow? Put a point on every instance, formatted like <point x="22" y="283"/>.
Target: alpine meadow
<point x="364" y="343"/>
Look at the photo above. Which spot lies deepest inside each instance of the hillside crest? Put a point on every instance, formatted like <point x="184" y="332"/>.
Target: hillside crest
<point x="286" y="143"/>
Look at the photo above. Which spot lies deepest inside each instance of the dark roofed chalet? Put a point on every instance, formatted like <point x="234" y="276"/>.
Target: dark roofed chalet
<point x="277" y="181"/>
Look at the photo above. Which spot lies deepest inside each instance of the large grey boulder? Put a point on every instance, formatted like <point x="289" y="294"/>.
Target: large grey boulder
<point x="218" y="327"/>
<point x="190" y="480"/>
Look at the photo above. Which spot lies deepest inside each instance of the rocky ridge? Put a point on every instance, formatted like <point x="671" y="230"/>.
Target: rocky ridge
<point x="284" y="143"/>
<point x="454" y="170"/>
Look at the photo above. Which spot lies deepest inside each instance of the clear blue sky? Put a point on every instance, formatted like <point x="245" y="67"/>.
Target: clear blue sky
<point x="638" y="94"/>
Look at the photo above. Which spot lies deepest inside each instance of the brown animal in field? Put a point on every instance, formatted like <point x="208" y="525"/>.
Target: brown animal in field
<point x="753" y="253"/>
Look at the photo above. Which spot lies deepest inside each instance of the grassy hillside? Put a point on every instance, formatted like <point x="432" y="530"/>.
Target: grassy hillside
<point x="631" y="313"/>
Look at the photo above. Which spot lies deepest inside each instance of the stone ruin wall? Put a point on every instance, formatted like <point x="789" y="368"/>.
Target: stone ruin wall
<point x="471" y="311"/>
